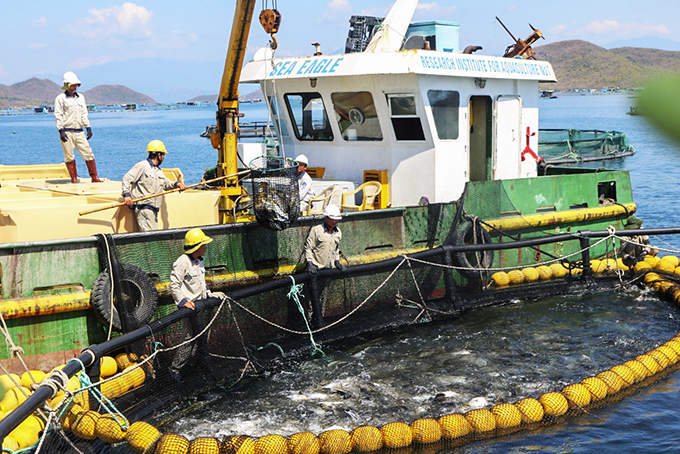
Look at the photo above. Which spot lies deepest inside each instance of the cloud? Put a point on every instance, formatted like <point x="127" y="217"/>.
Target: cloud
<point x="37" y="46"/>
<point x="610" y="29"/>
<point x="339" y="4"/>
<point x="435" y="9"/>
<point x="127" y="20"/>
<point x="40" y="23"/>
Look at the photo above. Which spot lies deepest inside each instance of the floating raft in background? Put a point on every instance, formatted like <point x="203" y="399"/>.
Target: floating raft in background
<point x="569" y="146"/>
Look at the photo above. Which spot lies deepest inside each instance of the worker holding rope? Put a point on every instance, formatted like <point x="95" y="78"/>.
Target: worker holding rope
<point x="187" y="284"/>
<point x="322" y="251"/>
<point x="146" y="178"/>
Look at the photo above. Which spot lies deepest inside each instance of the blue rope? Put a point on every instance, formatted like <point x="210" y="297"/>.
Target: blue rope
<point x="295" y="292"/>
<point x="101" y="398"/>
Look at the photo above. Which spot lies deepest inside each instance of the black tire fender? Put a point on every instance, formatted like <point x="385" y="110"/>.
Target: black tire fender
<point x="466" y="234"/>
<point x="137" y="286"/>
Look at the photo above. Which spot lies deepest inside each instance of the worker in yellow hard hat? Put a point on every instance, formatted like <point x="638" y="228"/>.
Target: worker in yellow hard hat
<point x="188" y="286"/>
<point x="146" y="178"/>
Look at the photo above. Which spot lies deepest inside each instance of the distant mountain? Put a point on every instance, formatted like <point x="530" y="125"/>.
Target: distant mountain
<point x="115" y="94"/>
<point x="650" y="42"/>
<point x="253" y="95"/>
<point x="583" y="65"/>
<point x="38" y="92"/>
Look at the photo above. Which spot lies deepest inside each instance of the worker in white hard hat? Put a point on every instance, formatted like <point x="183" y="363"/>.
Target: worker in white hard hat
<point x="147" y="178"/>
<point x="304" y="183"/>
<point x="188" y="286"/>
<point x="322" y="251"/>
<point x="70" y="113"/>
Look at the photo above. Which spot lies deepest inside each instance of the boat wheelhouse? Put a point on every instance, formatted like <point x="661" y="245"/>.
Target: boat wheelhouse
<point x="431" y="120"/>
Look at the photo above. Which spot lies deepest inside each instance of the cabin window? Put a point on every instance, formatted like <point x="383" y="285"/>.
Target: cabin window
<point x="279" y="124"/>
<point x="445" y="104"/>
<point x="308" y="115"/>
<point x="356" y="115"/>
<point x="404" y="115"/>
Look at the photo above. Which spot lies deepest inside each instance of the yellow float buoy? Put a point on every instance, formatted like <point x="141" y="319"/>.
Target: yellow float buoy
<point x="141" y="435"/>
<point x="544" y="272"/>
<point x="530" y="274"/>
<point x="108" y="366"/>
<point x="558" y="270"/>
<point x="507" y="415"/>
<point x="366" y="438"/>
<point x="554" y="403"/>
<point x="426" y="430"/>
<point x="531" y="410"/>
<point x="516" y="277"/>
<point x="454" y="426"/>
<point x="481" y="420"/>
<point x="577" y="395"/>
<point x="396" y="435"/>
<point x="172" y="444"/>
<point x="336" y="441"/>
<point x="207" y="445"/>
<point x="26" y="380"/>
<point x="500" y="279"/>
<point x="303" y="443"/>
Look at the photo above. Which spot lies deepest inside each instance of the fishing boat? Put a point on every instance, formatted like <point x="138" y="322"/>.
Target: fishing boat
<point x="447" y="142"/>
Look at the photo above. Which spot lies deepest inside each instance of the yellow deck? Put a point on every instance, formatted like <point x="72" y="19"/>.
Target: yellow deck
<point x="40" y="203"/>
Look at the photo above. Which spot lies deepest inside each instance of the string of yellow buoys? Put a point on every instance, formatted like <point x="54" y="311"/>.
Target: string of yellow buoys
<point x="142" y="437"/>
<point x="119" y="375"/>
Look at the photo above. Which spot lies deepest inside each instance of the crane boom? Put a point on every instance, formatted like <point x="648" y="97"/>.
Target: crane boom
<point x="224" y="137"/>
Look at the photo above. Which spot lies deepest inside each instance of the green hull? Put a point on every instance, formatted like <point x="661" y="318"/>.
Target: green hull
<point x="45" y="286"/>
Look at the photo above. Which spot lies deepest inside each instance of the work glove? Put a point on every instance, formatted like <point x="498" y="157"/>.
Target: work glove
<point x="219" y="295"/>
<point x="339" y="265"/>
<point x="62" y="135"/>
<point x="312" y="269"/>
<point x="89" y="133"/>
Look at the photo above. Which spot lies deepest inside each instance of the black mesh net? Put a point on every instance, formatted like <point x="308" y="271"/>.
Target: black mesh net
<point x="276" y="197"/>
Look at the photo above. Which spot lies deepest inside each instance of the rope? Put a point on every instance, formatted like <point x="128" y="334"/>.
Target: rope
<point x="294" y="293"/>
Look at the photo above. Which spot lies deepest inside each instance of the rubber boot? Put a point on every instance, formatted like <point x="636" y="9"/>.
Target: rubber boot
<point x="71" y="166"/>
<point x="92" y="169"/>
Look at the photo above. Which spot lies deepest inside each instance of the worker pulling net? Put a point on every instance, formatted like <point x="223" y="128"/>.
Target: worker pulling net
<point x="276" y="197"/>
<point x="564" y="146"/>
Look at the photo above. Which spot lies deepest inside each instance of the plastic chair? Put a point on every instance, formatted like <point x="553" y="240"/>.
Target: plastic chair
<point x="324" y="197"/>
<point x="371" y="190"/>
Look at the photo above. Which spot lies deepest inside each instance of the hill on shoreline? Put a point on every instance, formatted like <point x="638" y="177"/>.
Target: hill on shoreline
<point x="583" y="65"/>
<point x="41" y="92"/>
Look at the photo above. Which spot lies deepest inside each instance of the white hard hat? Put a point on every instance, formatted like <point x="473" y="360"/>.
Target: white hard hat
<point x="302" y="159"/>
<point x="69" y="79"/>
<point x="332" y="211"/>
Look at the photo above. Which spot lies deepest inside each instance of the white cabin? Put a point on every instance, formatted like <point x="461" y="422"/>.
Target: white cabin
<point x="432" y="120"/>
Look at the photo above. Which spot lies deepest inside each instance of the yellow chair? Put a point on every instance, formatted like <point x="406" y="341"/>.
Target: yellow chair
<point x="324" y="197"/>
<point x="371" y="190"/>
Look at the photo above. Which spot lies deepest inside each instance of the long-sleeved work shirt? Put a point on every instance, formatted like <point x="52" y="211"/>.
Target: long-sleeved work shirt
<point x="70" y="112"/>
<point x="306" y="191"/>
<point x="187" y="280"/>
<point x="323" y="246"/>
<point x="146" y="178"/>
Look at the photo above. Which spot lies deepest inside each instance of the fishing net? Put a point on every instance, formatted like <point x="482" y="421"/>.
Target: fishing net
<point x="276" y="197"/>
<point x="561" y="146"/>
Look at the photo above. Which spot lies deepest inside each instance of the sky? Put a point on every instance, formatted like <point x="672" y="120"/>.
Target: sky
<point x="172" y="48"/>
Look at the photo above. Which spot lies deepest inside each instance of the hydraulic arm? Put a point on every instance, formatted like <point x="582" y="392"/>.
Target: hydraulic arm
<point x="224" y="138"/>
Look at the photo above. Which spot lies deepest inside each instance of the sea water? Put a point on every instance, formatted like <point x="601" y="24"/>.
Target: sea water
<point x="486" y="357"/>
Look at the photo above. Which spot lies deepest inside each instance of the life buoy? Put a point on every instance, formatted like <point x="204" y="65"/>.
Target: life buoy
<point x="472" y="233"/>
<point x="136" y="288"/>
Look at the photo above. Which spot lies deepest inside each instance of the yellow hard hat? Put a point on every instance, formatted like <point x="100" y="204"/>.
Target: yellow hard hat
<point x="194" y="239"/>
<point x="156" y="146"/>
